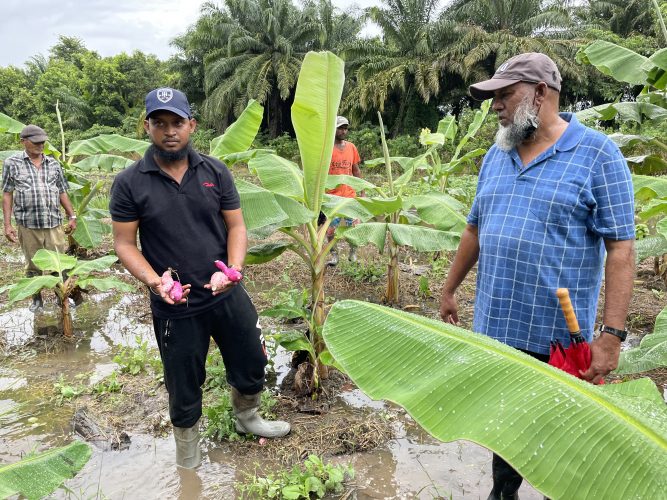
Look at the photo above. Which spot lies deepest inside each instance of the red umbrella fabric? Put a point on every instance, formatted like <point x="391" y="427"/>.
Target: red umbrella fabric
<point x="576" y="358"/>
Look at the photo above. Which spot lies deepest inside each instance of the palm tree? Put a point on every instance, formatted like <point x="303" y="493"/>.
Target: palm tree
<point x="337" y="29"/>
<point x="623" y="17"/>
<point x="264" y="43"/>
<point x="400" y="67"/>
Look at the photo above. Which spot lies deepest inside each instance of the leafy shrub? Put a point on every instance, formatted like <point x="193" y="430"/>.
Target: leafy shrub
<point x="285" y="146"/>
<point x="107" y="385"/>
<point x="136" y="360"/>
<point x="312" y="479"/>
<point x="216" y="375"/>
<point x="367" y="272"/>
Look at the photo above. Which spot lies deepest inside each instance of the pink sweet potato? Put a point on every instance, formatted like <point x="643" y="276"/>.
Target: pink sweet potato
<point x="230" y="272"/>
<point x="167" y="281"/>
<point x="219" y="281"/>
<point x="176" y="292"/>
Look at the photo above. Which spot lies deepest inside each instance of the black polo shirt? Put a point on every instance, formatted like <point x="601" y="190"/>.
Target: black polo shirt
<point x="180" y="225"/>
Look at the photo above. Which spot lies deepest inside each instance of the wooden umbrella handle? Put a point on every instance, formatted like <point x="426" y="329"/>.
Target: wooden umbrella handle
<point x="563" y="295"/>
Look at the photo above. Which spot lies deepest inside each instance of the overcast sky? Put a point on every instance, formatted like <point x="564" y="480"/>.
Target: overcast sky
<point x="31" y="27"/>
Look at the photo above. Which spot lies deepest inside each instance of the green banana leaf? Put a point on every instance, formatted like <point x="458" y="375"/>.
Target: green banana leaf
<point x="629" y="140"/>
<point x="422" y="239"/>
<point x="85" y="267"/>
<point x="239" y="135"/>
<point x="647" y="164"/>
<point x="656" y="69"/>
<point x="355" y="183"/>
<point x="90" y="232"/>
<point x="623" y="65"/>
<point x="651" y="353"/>
<point x="105" y="284"/>
<point x="9" y="126"/>
<point x="105" y="162"/>
<point x="39" y="475"/>
<point x="265" y="252"/>
<point x="647" y="187"/>
<point x="475" y="125"/>
<point x="654" y="208"/>
<point x="294" y="341"/>
<point x="375" y="162"/>
<point x="381" y="206"/>
<point x="106" y="143"/>
<point x="339" y="206"/>
<point x="569" y="439"/>
<point x="262" y="208"/>
<point x="6" y="154"/>
<point x="27" y="287"/>
<point x="246" y="156"/>
<point x="438" y="209"/>
<point x="48" y="260"/>
<point x="316" y="101"/>
<point x="651" y="246"/>
<point x="637" y="112"/>
<point x="278" y="175"/>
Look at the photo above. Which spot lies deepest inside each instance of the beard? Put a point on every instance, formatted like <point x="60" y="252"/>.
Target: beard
<point x="171" y="156"/>
<point x="524" y="124"/>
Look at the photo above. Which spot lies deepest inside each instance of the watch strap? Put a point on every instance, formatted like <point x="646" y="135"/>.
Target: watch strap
<point x="621" y="334"/>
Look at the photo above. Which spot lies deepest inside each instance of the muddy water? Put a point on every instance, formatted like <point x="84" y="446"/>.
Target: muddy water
<point x="413" y="465"/>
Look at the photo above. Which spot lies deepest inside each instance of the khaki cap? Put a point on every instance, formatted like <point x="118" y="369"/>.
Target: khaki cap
<point x="531" y="67"/>
<point x="33" y="133"/>
<point x="341" y="121"/>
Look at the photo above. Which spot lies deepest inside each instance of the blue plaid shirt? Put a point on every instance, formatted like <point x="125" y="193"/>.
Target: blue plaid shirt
<point x="542" y="227"/>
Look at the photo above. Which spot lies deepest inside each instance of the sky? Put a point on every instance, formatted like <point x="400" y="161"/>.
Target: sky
<point x="31" y="27"/>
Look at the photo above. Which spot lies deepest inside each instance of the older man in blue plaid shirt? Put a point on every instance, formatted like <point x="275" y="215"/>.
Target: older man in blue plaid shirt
<point x="553" y="198"/>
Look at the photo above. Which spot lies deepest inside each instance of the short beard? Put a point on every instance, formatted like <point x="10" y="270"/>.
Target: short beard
<point x="524" y="124"/>
<point x="171" y="156"/>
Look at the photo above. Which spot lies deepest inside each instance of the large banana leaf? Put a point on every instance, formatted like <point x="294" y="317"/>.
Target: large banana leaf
<point x="26" y="287"/>
<point x="569" y="439"/>
<point x="106" y="143"/>
<point x="629" y="140"/>
<point x="440" y="210"/>
<point x="651" y="246"/>
<point x="262" y="208"/>
<point x="39" y="475"/>
<point x="651" y="353"/>
<point x="647" y="164"/>
<point x="105" y="162"/>
<point x="647" y="187"/>
<point x="239" y="135"/>
<point x="475" y="125"/>
<point x="48" y="260"/>
<point x="355" y="183"/>
<point x="637" y="112"/>
<point x="259" y="254"/>
<point x="105" y="284"/>
<point x="9" y="126"/>
<point x="613" y="60"/>
<point x="656" y="69"/>
<point x="381" y="206"/>
<point x="278" y="175"/>
<point x="90" y="232"/>
<point x="316" y="100"/>
<point x="85" y="267"/>
<point x="339" y="206"/>
<point x="6" y="154"/>
<point x="422" y="239"/>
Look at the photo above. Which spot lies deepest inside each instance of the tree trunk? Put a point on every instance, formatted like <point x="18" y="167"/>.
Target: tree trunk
<point x="391" y="294"/>
<point x="317" y="297"/>
<point x="67" y="317"/>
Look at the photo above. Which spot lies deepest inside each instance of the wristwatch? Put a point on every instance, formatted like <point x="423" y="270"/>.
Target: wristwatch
<point x="72" y="217"/>
<point x="621" y="334"/>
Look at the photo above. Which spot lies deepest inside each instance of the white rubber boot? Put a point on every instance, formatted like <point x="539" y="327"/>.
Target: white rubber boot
<point x="246" y="408"/>
<point x="188" y="454"/>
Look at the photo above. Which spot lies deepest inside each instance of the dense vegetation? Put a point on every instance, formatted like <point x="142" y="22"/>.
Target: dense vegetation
<point x="415" y="71"/>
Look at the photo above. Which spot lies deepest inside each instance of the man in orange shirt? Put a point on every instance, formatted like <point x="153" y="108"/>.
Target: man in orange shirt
<point x="345" y="160"/>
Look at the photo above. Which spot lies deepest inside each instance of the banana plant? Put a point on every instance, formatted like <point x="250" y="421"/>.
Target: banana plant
<point x="650" y="106"/>
<point x="651" y="352"/>
<point x="568" y="438"/>
<point x="401" y="226"/>
<point x="39" y="475"/>
<point x="67" y="273"/>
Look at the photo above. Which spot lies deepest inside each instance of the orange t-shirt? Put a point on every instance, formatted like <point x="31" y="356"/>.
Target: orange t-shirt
<point x="342" y="160"/>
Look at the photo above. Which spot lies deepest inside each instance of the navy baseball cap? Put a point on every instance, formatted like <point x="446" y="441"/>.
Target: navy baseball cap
<point x="168" y="99"/>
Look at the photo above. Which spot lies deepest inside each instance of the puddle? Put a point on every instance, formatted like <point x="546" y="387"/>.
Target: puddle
<point x="413" y="465"/>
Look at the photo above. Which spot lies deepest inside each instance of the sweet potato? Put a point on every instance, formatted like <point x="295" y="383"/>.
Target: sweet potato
<point x="219" y="281"/>
<point x="176" y="292"/>
<point x="231" y="273"/>
<point x="167" y="281"/>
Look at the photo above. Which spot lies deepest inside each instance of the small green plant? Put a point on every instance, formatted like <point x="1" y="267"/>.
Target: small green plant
<point x="65" y="391"/>
<point x="424" y="288"/>
<point x="216" y="375"/>
<point x="107" y="385"/>
<point x="134" y="360"/>
<point x="366" y="272"/>
<point x="313" y="479"/>
<point x="220" y="415"/>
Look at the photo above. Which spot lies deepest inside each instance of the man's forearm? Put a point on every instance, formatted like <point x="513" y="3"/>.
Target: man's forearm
<point x="619" y="280"/>
<point x="7" y="201"/>
<point x="465" y="258"/>
<point x="67" y="204"/>
<point x="136" y="264"/>
<point x="237" y="246"/>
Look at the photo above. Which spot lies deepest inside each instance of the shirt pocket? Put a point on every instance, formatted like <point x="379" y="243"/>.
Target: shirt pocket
<point x="556" y="202"/>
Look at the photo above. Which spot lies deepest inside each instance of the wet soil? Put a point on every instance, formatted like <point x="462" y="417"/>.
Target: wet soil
<point x="392" y="456"/>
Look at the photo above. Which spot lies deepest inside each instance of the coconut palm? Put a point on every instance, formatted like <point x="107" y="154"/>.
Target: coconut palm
<point x="265" y="41"/>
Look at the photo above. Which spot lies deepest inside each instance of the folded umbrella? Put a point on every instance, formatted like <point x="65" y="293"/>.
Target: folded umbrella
<point x="576" y="358"/>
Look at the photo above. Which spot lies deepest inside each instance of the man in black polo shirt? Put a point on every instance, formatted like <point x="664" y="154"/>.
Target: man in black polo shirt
<point x="187" y="212"/>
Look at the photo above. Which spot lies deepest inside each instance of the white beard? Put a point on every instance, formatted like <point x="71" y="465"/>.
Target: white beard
<point x="524" y="124"/>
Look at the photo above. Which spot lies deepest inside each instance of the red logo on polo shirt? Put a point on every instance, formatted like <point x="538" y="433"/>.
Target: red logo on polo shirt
<point x="208" y="184"/>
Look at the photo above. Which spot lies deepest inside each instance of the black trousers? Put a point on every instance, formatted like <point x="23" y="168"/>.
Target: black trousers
<point x="506" y="480"/>
<point x="184" y="343"/>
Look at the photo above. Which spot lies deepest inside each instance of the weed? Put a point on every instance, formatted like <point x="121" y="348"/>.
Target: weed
<point x="439" y="266"/>
<point x="424" y="288"/>
<point x="216" y="375"/>
<point x="367" y="272"/>
<point x="134" y="360"/>
<point x="220" y="415"/>
<point x="312" y="479"/>
<point x="107" y="385"/>
<point x="66" y="391"/>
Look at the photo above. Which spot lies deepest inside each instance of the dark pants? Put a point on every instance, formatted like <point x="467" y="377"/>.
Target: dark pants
<point x="506" y="481"/>
<point x="184" y="343"/>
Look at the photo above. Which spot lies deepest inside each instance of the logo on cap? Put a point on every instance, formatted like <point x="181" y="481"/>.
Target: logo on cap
<point x="165" y="95"/>
<point x="502" y="67"/>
